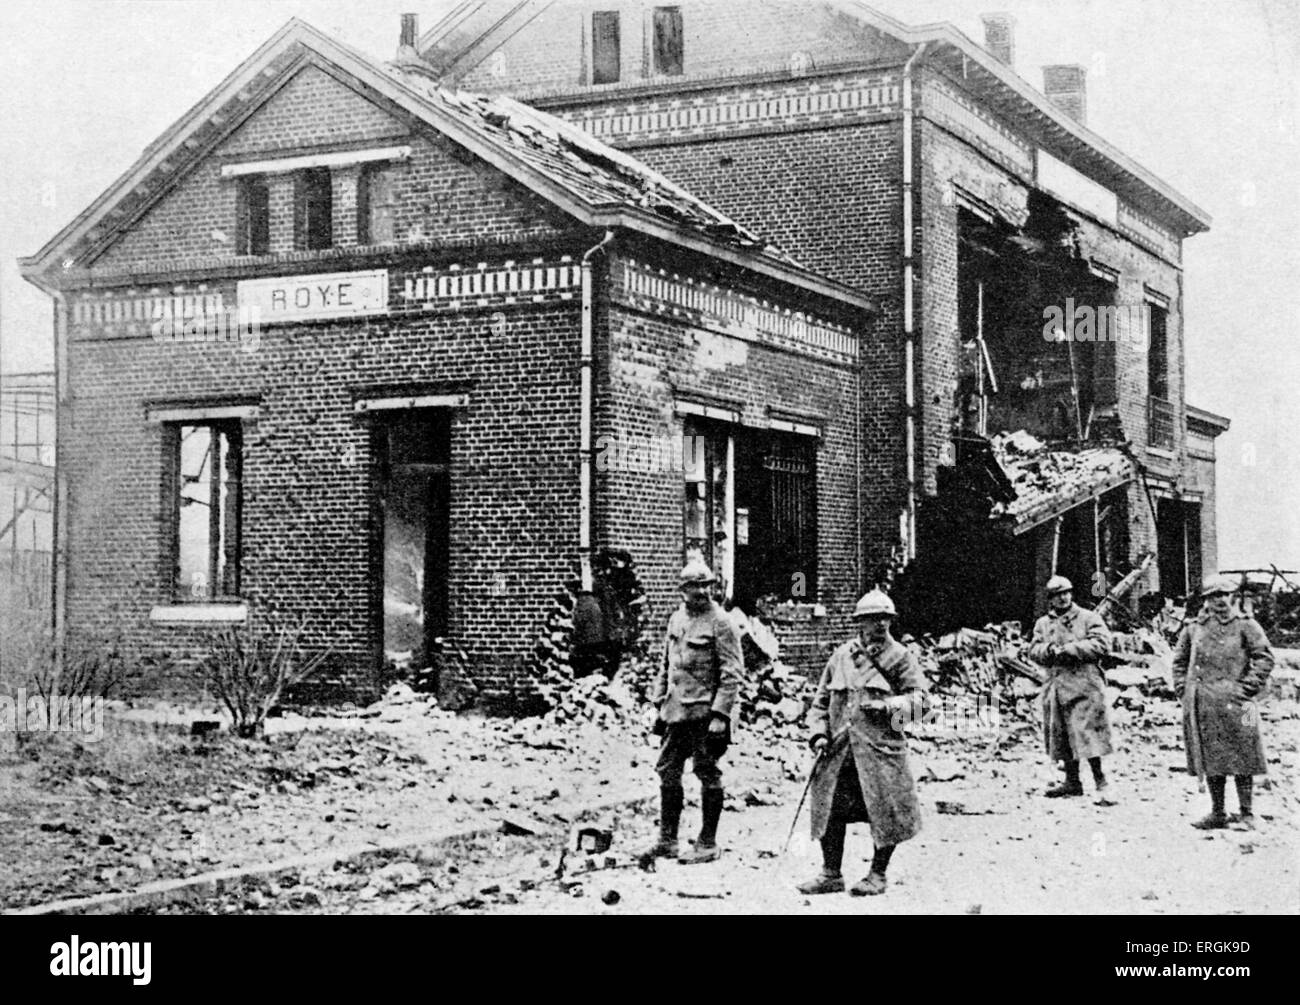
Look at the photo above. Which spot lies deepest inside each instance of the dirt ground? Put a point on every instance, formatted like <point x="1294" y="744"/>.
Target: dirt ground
<point x="150" y="802"/>
<point x="991" y="843"/>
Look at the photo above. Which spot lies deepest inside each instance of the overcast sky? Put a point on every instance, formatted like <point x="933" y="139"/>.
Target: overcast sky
<point x="1205" y="93"/>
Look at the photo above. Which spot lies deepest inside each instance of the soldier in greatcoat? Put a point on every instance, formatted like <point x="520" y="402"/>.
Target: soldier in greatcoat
<point x="1068" y="641"/>
<point x="694" y="693"/>
<point x="1221" y="664"/>
<point x="871" y="688"/>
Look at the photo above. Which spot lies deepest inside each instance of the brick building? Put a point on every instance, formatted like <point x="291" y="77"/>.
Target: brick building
<point x="1029" y="273"/>
<point x="351" y="347"/>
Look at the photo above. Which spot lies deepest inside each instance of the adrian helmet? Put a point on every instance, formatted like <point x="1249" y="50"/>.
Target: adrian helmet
<point x="1219" y="584"/>
<point x="874" y="604"/>
<point x="697" y="573"/>
<point x="1059" y="584"/>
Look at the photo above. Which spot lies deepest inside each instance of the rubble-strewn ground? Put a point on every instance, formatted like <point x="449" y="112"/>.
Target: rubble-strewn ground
<point x="148" y="802"/>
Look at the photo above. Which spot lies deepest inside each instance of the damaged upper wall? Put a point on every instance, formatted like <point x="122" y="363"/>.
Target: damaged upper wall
<point x="549" y="47"/>
<point x="1097" y="269"/>
<point x="762" y="66"/>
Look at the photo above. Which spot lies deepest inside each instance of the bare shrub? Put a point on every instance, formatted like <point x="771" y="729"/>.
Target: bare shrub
<point x="249" y="668"/>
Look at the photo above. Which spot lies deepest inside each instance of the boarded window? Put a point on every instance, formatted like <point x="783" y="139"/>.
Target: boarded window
<point x="313" y="210"/>
<point x="668" y="41"/>
<point x="377" y="205"/>
<point x="606" y="62"/>
<point x="206" y="459"/>
<point x="252" y="216"/>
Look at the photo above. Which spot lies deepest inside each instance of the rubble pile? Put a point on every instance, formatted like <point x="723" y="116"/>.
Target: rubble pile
<point x="773" y="695"/>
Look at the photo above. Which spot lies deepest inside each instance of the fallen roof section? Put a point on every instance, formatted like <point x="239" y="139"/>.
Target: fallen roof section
<point x="1050" y="482"/>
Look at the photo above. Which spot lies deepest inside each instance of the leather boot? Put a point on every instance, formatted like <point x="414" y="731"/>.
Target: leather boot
<point x="823" y="882"/>
<point x="1071" y="786"/>
<point x="706" y="846"/>
<point x="670" y="815"/>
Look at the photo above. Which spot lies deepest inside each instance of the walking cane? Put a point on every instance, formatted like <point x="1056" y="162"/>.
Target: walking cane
<point x="802" y="799"/>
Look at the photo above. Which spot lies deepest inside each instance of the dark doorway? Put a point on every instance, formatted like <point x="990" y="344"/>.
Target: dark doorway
<point x="412" y="510"/>
<point x="1178" y="540"/>
<point x="776" y="518"/>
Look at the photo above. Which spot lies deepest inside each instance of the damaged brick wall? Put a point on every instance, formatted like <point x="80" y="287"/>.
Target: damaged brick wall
<point x="947" y="157"/>
<point x="547" y="55"/>
<point x="651" y="361"/>
<point x="306" y="476"/>
<point x="845" y="224"/>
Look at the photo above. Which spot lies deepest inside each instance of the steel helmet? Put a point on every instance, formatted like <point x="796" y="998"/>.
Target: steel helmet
<point x="1059" y="584"/>
<point x="1219" y="584"/>
<point x="873" y="604"/>
<point x="698" y="573"/>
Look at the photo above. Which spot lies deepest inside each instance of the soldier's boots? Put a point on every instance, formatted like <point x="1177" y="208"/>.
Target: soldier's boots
<point x="706" y="849"/>
<point x="670" y="814"/>
<point x="824" y="882"/>
<point x="700" y="853"/>
<point x="1211" y="821"/>
<point x="665" y="847"/>
<point x="1071" y="786"/>
<point x="872" y="886"/>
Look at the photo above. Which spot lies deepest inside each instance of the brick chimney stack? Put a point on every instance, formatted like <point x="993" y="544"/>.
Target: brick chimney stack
<point x="406" y="51"/>
<point x="1066" y="86"/>
<point x="1000" y="37"/>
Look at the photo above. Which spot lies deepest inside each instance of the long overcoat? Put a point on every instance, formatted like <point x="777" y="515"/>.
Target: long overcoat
<point x="1220" y="666"/>
<point x="1075" y="724"/>
<point x="854" y="676"/>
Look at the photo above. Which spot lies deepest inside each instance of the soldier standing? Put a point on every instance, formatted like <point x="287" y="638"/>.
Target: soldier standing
<point x="1221" y="662"/>
<point x="1068" y="641"/>
<point x="870" y="688"/>
<point x="694" y="692"/>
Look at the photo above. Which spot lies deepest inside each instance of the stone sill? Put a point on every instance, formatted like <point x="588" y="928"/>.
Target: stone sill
<point x="199" y="614"/>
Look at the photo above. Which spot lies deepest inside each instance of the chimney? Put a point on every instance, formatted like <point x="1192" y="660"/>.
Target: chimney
<point x="406" y="52"/>
<point x="1000" y="37"/>
<point x="1066" y="86"/>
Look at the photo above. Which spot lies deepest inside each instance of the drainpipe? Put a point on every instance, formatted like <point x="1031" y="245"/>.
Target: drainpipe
<point x="586" y="407"/>
<point x="909" y="310"/>
<point x="59" y="544"/>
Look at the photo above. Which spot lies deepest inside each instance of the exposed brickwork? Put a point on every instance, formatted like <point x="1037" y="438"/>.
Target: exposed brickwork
<point x="650" y="362"/>
<point x="547" y="57"/>
<point x="845" y="224"/>
<point x="291" y="120"/>
<point x="442" y="193"/>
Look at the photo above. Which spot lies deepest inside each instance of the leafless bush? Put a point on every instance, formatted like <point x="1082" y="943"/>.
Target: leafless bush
<point x="250" y="666"/>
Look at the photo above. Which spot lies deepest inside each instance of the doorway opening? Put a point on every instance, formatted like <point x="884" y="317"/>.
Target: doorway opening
<point x="412" y="511"/>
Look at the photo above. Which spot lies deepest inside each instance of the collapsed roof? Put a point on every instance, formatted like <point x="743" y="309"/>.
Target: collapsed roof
<point x="1049" y="482"/>
<point x="591" y="170"/>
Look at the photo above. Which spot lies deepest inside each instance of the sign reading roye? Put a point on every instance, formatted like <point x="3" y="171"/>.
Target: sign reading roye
<point x="315" y="297"/>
